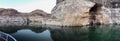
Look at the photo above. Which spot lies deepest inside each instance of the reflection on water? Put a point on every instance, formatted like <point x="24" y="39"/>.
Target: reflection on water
<point x="55" y="33"/>
<point x="28" y="35"/>
<point x="105" y="33"/>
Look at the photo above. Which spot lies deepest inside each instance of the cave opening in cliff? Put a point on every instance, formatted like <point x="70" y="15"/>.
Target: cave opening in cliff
<point x="93" y="12"/>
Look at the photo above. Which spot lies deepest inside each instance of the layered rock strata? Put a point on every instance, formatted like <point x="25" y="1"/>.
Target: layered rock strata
<point x="102" y="11"/>
<point x="73" y="12"/>
<point x="67" y="13"/>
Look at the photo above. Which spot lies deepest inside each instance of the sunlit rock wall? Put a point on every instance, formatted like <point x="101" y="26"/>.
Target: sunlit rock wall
<point x="73" y="12"/>
<point x="12" y="20"/>
<point x="107" y="13"/>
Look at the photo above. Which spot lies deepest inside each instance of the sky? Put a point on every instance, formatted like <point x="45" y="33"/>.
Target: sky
<point x="28" y="5"/>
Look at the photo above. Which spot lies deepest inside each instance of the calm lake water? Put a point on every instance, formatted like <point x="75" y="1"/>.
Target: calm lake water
<point x="56" y="33"/>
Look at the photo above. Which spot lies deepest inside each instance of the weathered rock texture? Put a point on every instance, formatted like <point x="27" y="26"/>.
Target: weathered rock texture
<point x="73" y="12"/>
<point x="108" y="13"/>
<point x="40" y="13"/>
<point x="67" y="13"/>
<point x="13" y="21"/>
<point x="100" y="12"/>
<point x="8" y="11"/>
<point x="12" y="17"/>
<point x="108" y="3"/>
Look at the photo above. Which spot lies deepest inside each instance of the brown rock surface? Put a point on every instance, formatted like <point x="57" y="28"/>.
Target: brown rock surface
<point x="40" y="13"/>
<point x="106" y="3"/>
<point x="8" y="12"/>
<point x="73" y="12"/>
<point x="103" y="12"/>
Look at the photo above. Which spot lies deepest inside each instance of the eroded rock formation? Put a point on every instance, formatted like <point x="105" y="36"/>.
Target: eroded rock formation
<point x="39" y="12"/>
<point x="73" y="12"/>
<point x="12" y="17"/>
<point x="108" y="3"/>
<point x="69" y="13"/>
<point x="101" y="12"/>
<point x="108" y="13"/>
<point x="8" y="11"/>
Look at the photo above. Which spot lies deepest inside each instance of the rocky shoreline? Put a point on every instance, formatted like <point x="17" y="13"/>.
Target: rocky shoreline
<point x="85" y="12"/>
<point x="66" y="13"/>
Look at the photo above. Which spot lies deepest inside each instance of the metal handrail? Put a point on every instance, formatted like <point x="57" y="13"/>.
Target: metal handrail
<point x="6" y="36"/>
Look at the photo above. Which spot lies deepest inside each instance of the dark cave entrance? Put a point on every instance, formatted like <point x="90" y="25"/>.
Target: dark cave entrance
<point x="93" y="12"/>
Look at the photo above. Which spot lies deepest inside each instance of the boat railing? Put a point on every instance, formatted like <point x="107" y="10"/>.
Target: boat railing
<point x="7" y="37"/>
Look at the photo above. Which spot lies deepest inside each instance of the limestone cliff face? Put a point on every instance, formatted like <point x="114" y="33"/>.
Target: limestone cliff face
<point x="12" y="20"/>
<point x="108" y="13"/>
<point x="73" y="12"/>
<point x="106" y="3"/>
<point x="12" y="17"/>
<point x="8" y="11"/>
<point x="99" y="16"/>
<point x="76" y="12"/>
<point x="39" y="13"/>
<point x="68" y="13"/>
<point x="113" y="15"/>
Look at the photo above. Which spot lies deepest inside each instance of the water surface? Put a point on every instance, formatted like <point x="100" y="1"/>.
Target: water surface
<point x="56" y="33"/>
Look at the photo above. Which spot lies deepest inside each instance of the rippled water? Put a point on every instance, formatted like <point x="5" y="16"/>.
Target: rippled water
<point x="56" y="33"/>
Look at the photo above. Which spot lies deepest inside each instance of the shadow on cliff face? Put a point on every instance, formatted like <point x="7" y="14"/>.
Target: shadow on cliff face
<point x="93" y="12"/>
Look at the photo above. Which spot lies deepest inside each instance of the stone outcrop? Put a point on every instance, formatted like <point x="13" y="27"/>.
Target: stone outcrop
<point x="40" y="13"/>
<point x="13" y="21"/>
<point x="107" y="13"/>
<point x="113" y="14"/>
<point x="101" y="12"/>
<point x="73" y="12"/>
<point x="108" y="3"/>
<point x="8" y="11"/>
<point x="11" y="17"/>
<point x="58" y="1"/>
<point x="68" y="13"/>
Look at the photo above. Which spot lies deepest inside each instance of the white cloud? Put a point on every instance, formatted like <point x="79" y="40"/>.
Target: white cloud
<point x="45" y="5"/>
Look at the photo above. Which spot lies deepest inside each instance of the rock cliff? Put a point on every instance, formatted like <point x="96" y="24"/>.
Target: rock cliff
<point x="108" y="12"/>
<point x="8" y="11"/>
<point x="12" y="17"/>
<point x="68" y="13"/>
<point x="83" y="12"/>
<point x="73" y="12"/>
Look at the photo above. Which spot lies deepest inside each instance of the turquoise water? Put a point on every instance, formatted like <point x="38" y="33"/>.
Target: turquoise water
<point x="56" y="33"/>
